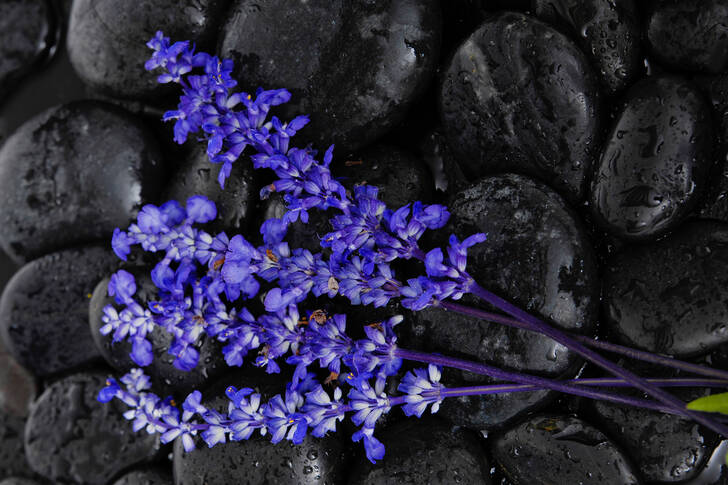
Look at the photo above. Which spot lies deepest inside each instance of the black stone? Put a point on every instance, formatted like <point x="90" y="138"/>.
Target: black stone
<point x="671" y="297"/>
<point x="27" y="34"/>
<point x="257" y="460"/>
<point x="44" y="309"/>
<point x="655" y="162"/>
<point x="71" y="175"/>
<point x="689" y="35"/>
<point x="166" y="378"/>
<point x="560" y="449"/>
<point x="607" y="31"/>
<point x="518" y="96"/>
<point x="107" y="40"/>
<point x="355" y="67"/>
<point x="70" y="436"/>
<point x="422" y="451"/>
<point x="235" y="203"/>
<point x="19" y="481"/>
<point x="12" y="455"/>
<point x="146" y="477"/>
<point x="538" y="256"/>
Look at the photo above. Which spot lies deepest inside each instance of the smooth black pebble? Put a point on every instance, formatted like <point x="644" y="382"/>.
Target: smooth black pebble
<point x="655" y="162"/>
<point x="107" y="40"/>
<point x="690" y="36"/>
<point x="70" y="436"/>
<point x="44" y="309"/>
<point x="518" y="96"/>
<point x="73" y="174"/>
<point x="551" y="449"/>
<point x="671" y="296"/>
<point x="425" y="450"/>
<point x="146" y="477"/>
<point x="607" y="31"/>
<point x="166" y="378"/>
<point x="538" y="256"/>
<point x="355" y="67"/>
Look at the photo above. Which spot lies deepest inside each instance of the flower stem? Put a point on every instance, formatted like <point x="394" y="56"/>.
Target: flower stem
<point x="588" y="341"/>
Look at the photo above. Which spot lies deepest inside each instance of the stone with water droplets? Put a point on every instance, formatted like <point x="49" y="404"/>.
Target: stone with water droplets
<point x="355" y="67"/>
<point x="538" y="256"/>
<point x="72" y="174"/>
<point x="607" y="31"/>
<point x="671" y="296"/>
<point x="550" y="449"/>
<point x="257" y="460"/>
<point x="655" y="162"/>
<point x="151" y="476"/>
<point x="165" y="377"/>
<point x="689" y="35"/>
<point x="425" y="450"/>
<point x="518" y="96"/>
<point x="106" y="39"/>
<point x="72" y="437"/>
<point x="12" y="454"/>
<point x="44" y="309"/>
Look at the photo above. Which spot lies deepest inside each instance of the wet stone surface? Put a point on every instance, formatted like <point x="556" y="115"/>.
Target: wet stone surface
<point x="106" y="39"/>
<point x="12" y="455"/>
<point x="70" y="436"/>
<point x="551" y="449"/>
<point x="27" y="33"/>
<point x="257" y="460"/>
<point x="421" y="451"/>
<point x="146" y="477"/>
<point x="689" y="35"/>
<point x="538" y="256"/>
<point x="607" y="31"/>
<point x="71" y="175"/>
<point x="165" y="377"/>
<point x="670" y="297"/>
<point x="656" y="159"/>
<point x="369" y="58"/>
<point x="44" y="309"/>
<point x="518" y="96"/>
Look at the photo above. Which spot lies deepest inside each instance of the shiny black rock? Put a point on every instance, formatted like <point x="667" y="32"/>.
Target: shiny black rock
<point x="689" y="35"/>
<point x="151" y="476"/>
<point x="560" y="449"/>
<point x="107" y="39"/>
<point x="671" y="296"/>
<point x="518" y="96"/>
<point x="654" y="165"/>
<point x="166" y="378"/>
<point x="72" y="174"/>
<point x="355" y="67"/>
<point x="70" y="436"/>
<point x="607" y="31"/>
<point x="538" y="256"/>
<point x="422" y="451"/>
<point x="26" y="34"/>
<point x="44" y="309"/>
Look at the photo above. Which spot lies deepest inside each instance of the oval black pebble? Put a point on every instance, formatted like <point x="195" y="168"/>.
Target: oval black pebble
<point x="654" y="165"/>
<point x="426" y="450"/>
<point x="518" y="96"/>
<point x="107" y="39"/>
<point x="355" y="67"/>
<point x="12" y="455"/>
<point x="70" y="436"/>
<point x="44" y="309"/>
<point x="257" y="460"/>
<point x="607" y="31"/>
<point x="146" y="477"/>
<point x="198" y="176"/>
<point x="26" y="34"/>
<point x="560" y="449"/>
<point x="537" y="255"/>
<point x="72" y="174"/>
<point x="671" y="297"/>
<point x="689" y="35"/>
<point x="165" y="377"/>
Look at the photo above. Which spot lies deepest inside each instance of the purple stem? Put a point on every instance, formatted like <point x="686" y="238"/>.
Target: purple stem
<point x="599" y="344"/>
<point x="539" y="325"/>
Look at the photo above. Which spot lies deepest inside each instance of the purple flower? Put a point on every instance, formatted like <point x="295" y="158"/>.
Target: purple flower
<point x="422" y="388"/>
<point x="201" y="209"/>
